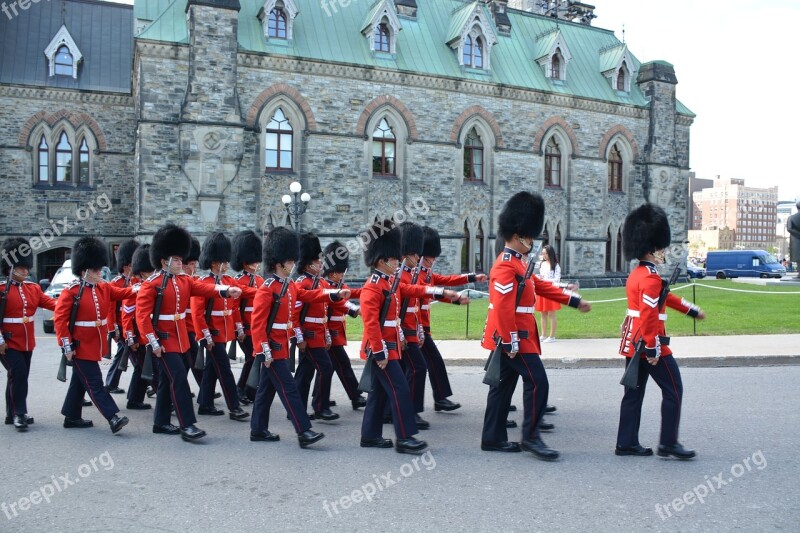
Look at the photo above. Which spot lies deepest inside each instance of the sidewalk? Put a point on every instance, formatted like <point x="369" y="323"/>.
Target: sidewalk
<point x="706" y="351"/>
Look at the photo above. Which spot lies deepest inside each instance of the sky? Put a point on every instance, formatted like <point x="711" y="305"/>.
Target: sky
<point x="733" y="60"/>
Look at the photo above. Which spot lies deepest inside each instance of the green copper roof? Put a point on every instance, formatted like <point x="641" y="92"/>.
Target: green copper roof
<point x="326" y="31"/>
<point x="458" y="20"/>
<point x="611" y="57"/>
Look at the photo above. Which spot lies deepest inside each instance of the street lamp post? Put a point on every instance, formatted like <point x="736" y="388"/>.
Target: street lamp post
<point x="296" y="206"/>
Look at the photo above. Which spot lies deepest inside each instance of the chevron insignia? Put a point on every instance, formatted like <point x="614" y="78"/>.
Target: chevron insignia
<point x="503" y="289"/>
<point x="129" y="308"/>
<point x="650" y="301"/>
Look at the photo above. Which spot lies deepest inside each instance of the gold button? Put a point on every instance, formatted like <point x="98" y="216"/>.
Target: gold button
<point x="98" y="323"/>
<point x="25" y="320"/>
<point x="177" y="316"/>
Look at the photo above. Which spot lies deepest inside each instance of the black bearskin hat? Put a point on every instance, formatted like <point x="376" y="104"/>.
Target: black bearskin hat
<point x="140" y="263"/>
<point x="12" y="257"/>
<point x="384" y="241"/>
<point x="88" y="253"/>
<point x="247" y="249"/>
<point x="310" y="250"/>
<point x="413" y="238"/>
<point x="433" y="245"/>
<point x="125" y="253"/>
<point x="335" y="258"/>
<point x="169" y="240"/>
<point x="646" y="229"/>
<point x="217" y="247"/>
<point x="194" y="251"/>
<point x="281" y="245"/>
<point x="522" y="215"/>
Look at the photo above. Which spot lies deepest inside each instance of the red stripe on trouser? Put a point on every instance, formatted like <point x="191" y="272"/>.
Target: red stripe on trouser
<point x="533" y="400"/>
<point x="318" y="383"/>
<point x="85" y="383"/>
<point x="287" y="402"/>
<point x="677" y="399"/>
<point x="396" y="402"/>
<point x="172" y="391"/>
<point x="340" y="370"/>
<point x="225" y="391"/>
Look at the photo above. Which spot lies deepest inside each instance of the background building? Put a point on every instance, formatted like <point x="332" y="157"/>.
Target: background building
<point x="785" y="209"/>
<point x="203" y="111"/>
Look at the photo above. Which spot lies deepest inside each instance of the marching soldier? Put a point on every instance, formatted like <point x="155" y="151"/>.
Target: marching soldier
<point x="134" y="343"/>
<point x="124" y="256"/>
<point x="645" y="235"/>
<point x="20" y="300"/>
<point x="246" y="258"/>
<point x="218" y="322"/>
<point x="335" y="262"/>
<point x="381" y="343"/>
<point x="190" y="357"/>
<point x="272" y="329"/>
<point x="85" y="341"/>
<point x="437" y="372"/>
<point x="512" y="325"/>
<point x="312" y="349"/>
<point x="170" y="341"/>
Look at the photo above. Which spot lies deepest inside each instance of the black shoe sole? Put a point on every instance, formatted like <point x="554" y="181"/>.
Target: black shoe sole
<point x="625" y="453"/>
<point x="122" y="423"/>
<point x="70" y="426"/>
<point x="167" y="432"/>
<point x="239" y="418"/>
<point x="264" y="439"/>
<point x="411" y="451"/>
<point x="503" y="450"/>
<point x="144" y="407"/>
<point x="306" y="444"/>
<point x="214" y="413"/>
<point x="383" y="444"/>
<point x="445" y="409"/>
<point x="679" y="457"/>
<point x="194" y="438"/>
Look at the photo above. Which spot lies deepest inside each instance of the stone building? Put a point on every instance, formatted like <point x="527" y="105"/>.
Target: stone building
<point x="203" y="111"/>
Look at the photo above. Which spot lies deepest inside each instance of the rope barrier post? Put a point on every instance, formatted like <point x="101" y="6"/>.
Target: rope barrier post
<point x="466" y="334"/>
<point x="694" y="301"/>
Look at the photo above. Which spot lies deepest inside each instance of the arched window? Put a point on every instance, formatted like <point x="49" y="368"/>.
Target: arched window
<point x="468" y="51"/>
<point x="382" y="38"/>
<point x="384" y="151"/>
<point x="44" y="161"/>
<point x="555" y="65"/>
<point x="552" y="164"/>
<point x="465" y="249"/>
<point x="473" y="156"/>
<point x="608" y="251"/>
<point x="279" y="143"/>
<point x="83" y="171"/>
<point x="63" y="160"/>
<point x="619" y="263"/>
<point x="623" y="72"/>
<point x="277" y="24"/>
<point x="615" y="169"/>
<point x="473" y="52"/>
<point x="63" y="62"/>
<point x="480" y="244"/>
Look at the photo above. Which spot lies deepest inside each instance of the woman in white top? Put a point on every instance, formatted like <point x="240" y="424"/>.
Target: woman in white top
<point x="549" y="270"/>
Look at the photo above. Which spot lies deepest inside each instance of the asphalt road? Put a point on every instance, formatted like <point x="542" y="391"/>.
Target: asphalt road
<point x="743" y="422"/>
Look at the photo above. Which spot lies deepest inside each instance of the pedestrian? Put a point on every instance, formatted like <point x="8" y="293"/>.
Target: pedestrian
<point x="645" y="235"/>
<point x="550" y="271"/>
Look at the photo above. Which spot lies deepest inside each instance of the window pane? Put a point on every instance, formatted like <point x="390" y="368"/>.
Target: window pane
<point x="286" y="159"/>
<point x="377" y="148"/>
<point x="478" y="170"/>
<point x="272" y="141"/>
<point x="389" y="149"/>
<point x="84" y="177"/>
<point x="477" y="157"/>
<point x="467" y="163"/>
<point x="377" y="162"/>
<point x="286" y="141"/>
<point x="272" y="159"/>
<point x="390" y="166"/>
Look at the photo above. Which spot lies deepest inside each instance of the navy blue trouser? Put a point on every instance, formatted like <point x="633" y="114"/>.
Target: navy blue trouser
<point x="115" y="370"/>
<point x="247" y="347"/>
<point x="138" y="386"/>
<point x="18" y="366"/>
<point x="341" y="365"/>
<point x="437" y="372"/>
<point x="315" y="360"/>
<point x="218" y="366"/>
<point x="86" y="377"/>
<point x="534" y="397"/>
<point x="278" y="379"/>
<point x="173" y="390"/>
<point x="668" y="377"/>
<point x="190" y="358"/>
<point x="416" y="371"/>
<point x="389" y="386"/>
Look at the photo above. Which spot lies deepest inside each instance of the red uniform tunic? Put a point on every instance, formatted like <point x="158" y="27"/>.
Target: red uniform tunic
<point x="338" y="311"/>
<point x="23" y="299"/>
<point x="249" y="284"/>
<point x="644" y="320"/>
<point x="430" y="278"/>
<point x="115" y="313"/>
<point x="172" y="318"/>
<point x="91" y="321"/>
<point x="128" y="317"/>
<point x="506" y="317"/>
<point x="411" y="319"/>
<point x="384" y="337"/>
<point x="315" y="324"/>
<point x="224" y="313"/>
<point x="282" y="330"/>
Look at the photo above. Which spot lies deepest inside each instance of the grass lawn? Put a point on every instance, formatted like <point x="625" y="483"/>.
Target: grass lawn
<point x="728" y="313"/>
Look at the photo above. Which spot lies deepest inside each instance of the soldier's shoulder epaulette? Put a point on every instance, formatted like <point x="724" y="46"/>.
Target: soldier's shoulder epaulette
<point x="154" y="276"/>
<point x="204" y="277"/>
<point x="239" y="276"/>
<point x="301" y="278"/>
<point x="72" y="284"/>
<point x="652" y="269"/>
<point x="117" y="278"/>
<point x="506" y="256"/>
<point x="374" y="278"/>
<point x="29" y="282"/>
<point x="269" y="281"/>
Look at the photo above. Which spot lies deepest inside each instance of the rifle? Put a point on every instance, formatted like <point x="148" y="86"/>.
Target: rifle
<point x="255" y="372"/>
<point x="630" y="378"/>
<point x="209" y="309"/>
<point x="493" y="365"/>
<point x="76" y="301"/>
<point x="242" y="306"/>
<point x="147" y="365"/>
<point x="365" y="383"/>
<point x="4" y="298"/>
<point x="303" y="314"/>
<point x="338" y="288"/>
<point x="404" y="304"/>
<point x="117" y="328"/>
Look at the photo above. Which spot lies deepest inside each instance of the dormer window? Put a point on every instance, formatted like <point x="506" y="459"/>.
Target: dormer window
<point x="382" y="38"/>
<point x="617" y="66"/>
<point x="63" y="54"/>
<point x="622" y="77"/>
<point x="473" y="52"/>
<point x="63" y="61"/>
<point x="553" y="54"/>
<point x="381" y="27"/>
<point x="276" y="26"/>
<point x="472" y="36"/>
<point x="277" y="18"/>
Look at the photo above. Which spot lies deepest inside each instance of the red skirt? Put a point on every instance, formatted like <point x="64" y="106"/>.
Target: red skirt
<point x="543" y="305"/>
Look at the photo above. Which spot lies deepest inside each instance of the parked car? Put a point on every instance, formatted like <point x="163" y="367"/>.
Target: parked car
<point x="61" y="279"/>
<point x="743" y="263"/>
<point x="694" y="271"/>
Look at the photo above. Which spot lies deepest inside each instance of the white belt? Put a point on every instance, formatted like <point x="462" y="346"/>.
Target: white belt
<point x="188" y="310"/>
<point x="280" y="326"/>
<point x="226" y="312"/>
<point x="412" y="309"/>
<point x="425" y="307"/>
<point x="91" y="323"/>
<point x="337" y="319"/>
<point x="390" y="324"/>
<point x="315" y="320"/>
<point x="18" y="320"/>
<point x="174" y="318"/>
<point x="524" y="309"/>
<point x="248" y="309"/>
<point x="634" y="313"/>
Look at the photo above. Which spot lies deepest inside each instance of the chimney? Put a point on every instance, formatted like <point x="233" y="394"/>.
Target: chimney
<point x="499" y="10"/>
<point x="406" y="8"/>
